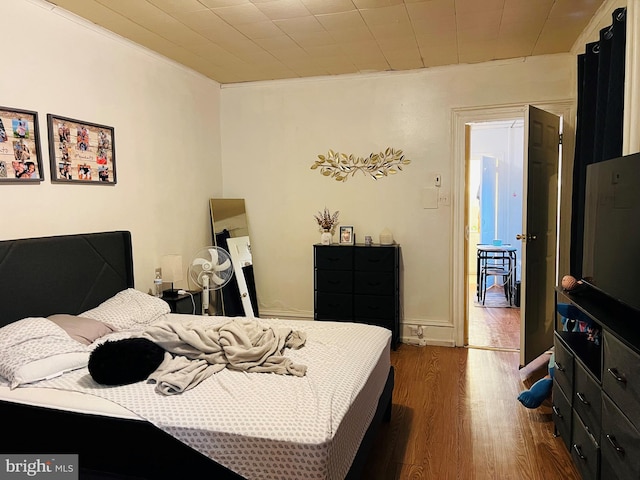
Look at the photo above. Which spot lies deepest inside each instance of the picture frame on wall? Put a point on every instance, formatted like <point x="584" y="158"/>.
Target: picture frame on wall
<point x="347" y="236"/>
<point x="81" y="152"/>
<point x="20" y="158"/>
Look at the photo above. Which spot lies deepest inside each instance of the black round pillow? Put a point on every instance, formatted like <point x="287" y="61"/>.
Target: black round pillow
<point x="121" y="362"/>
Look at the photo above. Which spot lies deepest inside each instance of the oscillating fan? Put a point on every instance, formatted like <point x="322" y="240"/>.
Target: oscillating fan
<point x="211" y="269"/>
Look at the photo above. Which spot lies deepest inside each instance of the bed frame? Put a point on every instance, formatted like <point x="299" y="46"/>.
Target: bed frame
<point x="72" y="274"/>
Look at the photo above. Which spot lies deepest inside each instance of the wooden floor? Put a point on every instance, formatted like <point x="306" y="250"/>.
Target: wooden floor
<point x="493" y="327"/>
<point x="455" y="416"/>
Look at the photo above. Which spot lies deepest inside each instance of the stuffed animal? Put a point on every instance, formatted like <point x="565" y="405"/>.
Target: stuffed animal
<point x="540" y="390"/>
<point x="571" y="284"/>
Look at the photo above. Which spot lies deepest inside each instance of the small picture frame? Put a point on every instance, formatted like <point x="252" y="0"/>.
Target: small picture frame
<point x="81" y="152"/>
<point x="346" y="235"/>
<point x="20" y="159"/>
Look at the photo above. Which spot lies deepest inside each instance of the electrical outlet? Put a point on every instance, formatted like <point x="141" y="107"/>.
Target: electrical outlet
<point x="444" y="198"/>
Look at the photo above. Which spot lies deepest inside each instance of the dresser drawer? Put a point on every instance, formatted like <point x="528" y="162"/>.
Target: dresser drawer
<point x="620" y="444"/>
<point x="563" y="369"/>
<point x="584" y="450"/>
<point x="374" y="306"/>
<point x="333" y="306"/>
<point x="621" y="377"/>
<point x="334" y="281"/>
<point x="562" y="415"/>
<point x="375" y="259"/>
<point x="358" y="283"/>
<point x="587" y="399"/>
<point x="375" y="283"/>
<point x="338" y="257"/>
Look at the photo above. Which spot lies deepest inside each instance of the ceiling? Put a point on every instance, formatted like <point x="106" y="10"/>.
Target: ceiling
<point x="234" y="41"/>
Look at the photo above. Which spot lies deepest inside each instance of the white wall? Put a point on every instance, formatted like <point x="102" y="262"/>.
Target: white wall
<point x="167" y="139"/>
<point x="273" y="131"/>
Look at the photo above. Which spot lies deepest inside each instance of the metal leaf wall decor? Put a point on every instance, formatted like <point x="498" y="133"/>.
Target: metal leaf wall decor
<point x="377" y="165"/>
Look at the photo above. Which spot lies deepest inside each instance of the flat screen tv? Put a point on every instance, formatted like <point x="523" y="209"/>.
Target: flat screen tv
<point x="611" y="244"/>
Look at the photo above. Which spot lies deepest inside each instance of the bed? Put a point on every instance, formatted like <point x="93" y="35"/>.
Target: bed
<point x="319" y="426"/>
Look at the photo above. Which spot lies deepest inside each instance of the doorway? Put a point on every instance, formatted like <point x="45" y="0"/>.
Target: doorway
<point x="494" y="203"/>
<point x="535" y="326"/>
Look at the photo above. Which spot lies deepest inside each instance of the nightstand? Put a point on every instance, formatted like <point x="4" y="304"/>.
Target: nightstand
<point x="182" y="303"/>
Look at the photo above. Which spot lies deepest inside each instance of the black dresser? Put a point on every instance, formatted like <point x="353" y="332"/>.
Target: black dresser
<point x="596" y="387"/>
<point x="358" y="283"/>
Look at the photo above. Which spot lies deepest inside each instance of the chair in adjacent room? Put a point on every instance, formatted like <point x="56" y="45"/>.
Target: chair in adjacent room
<point x="496" y="262"/>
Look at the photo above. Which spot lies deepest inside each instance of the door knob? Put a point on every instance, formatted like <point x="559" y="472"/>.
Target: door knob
<point x="525" y="237"/>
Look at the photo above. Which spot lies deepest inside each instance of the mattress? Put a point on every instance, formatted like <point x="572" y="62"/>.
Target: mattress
<point x="262" y="426"/>
<point x="66" y="400"/>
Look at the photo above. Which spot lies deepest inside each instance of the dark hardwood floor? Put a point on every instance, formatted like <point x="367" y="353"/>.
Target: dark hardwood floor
<point x="455" y="416"/>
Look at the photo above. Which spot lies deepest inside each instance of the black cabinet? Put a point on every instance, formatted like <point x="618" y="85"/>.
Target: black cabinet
<point x="189" y="303"/>
<point x="596" y="386"/>
<point x="358" y="283"/>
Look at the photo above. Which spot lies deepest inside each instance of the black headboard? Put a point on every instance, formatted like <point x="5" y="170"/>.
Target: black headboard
<point x="62" y="274"/>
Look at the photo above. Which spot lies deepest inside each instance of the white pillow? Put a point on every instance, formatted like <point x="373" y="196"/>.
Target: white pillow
<point x="129" y="309"/>
<point x="49" y="367"/>
<point x="38" y="340"/>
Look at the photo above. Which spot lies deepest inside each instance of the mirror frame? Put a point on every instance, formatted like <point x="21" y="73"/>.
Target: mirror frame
<point x="230" y="214"/>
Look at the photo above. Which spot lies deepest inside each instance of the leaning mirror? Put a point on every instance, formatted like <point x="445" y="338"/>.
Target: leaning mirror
<point x="230" y="230"/>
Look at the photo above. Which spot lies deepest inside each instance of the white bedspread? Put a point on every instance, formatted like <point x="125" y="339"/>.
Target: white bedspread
<point x="266" y="426"/>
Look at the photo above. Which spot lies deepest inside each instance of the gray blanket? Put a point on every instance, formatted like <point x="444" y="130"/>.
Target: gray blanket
<point x="194" y="352"/>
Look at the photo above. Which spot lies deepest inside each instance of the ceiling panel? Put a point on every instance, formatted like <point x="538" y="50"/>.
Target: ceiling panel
<point x="323" y="7"/>
<point x="342" y="21"/>
<point x="235" y="41"/>
<point x="241" y="14"/>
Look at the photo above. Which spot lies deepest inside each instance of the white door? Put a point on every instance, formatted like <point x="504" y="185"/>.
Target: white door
<point x="539" y="238"/>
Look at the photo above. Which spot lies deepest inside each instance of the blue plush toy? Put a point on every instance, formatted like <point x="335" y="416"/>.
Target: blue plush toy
<point x="540" y="390"/>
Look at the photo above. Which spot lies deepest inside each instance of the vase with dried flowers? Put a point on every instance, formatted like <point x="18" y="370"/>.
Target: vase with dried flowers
<point x="327" y="222"/>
